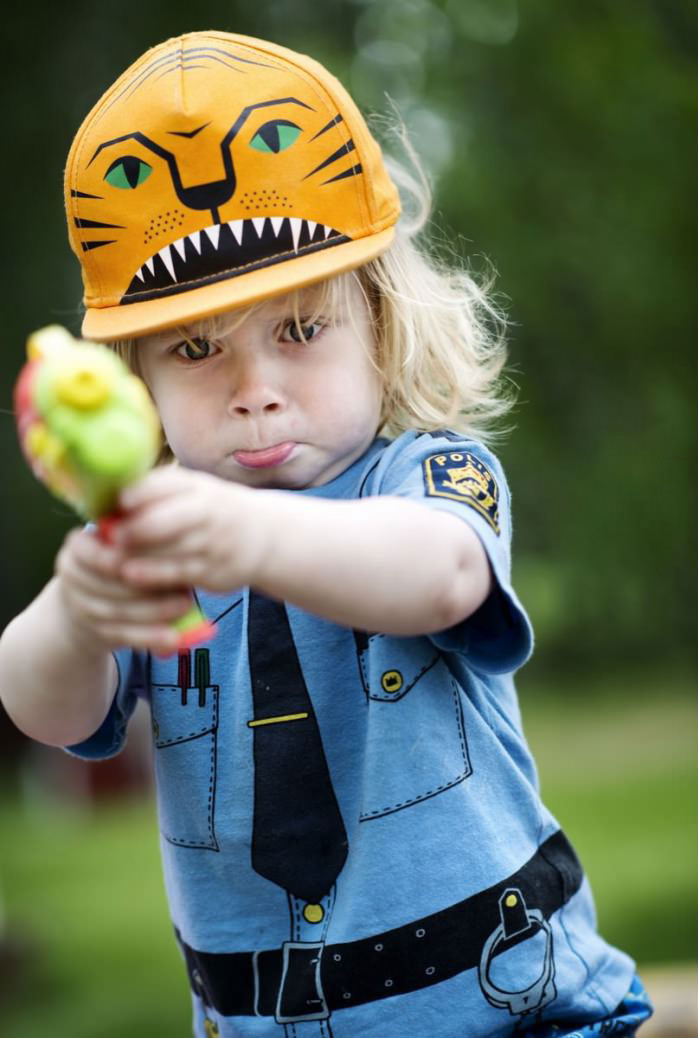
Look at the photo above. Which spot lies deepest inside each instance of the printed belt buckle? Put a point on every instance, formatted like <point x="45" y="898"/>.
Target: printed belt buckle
<point x="300" y="992"/>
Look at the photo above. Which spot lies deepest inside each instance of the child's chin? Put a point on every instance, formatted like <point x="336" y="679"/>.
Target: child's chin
<point x="282" y="478"/>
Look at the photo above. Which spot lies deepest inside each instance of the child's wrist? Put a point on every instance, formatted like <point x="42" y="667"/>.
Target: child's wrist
<point x="257" y="512"/>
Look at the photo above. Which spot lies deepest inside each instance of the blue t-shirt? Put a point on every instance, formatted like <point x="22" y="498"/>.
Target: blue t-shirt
<point x="353" y="838"/>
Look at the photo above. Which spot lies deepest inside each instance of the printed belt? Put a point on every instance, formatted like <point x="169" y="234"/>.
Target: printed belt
<point x="306" y="980"/>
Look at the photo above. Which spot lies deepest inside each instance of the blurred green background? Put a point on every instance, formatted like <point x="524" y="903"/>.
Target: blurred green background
<point x="560" y="142"/>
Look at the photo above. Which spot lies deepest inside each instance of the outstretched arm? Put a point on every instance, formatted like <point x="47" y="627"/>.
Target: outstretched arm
<point x="57" y="674"/>
<point x="57" y="681"/>
<point x="382" y="563"/>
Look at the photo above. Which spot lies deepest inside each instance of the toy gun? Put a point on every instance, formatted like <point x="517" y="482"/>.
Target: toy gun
<point x="88" y="428"/>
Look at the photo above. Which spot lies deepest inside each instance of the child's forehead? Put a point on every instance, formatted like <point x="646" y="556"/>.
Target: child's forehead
<point x="302" y="303"/>
<point x="327" y="299"/>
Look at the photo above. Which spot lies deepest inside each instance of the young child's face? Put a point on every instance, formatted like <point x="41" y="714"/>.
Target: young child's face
<point x="257" y="406"/>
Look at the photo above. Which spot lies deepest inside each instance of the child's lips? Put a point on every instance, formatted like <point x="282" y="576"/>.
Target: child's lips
<point x="267" y="457"/>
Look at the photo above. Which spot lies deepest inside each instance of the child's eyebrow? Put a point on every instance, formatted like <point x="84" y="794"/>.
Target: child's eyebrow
<point x="170" y="337"/>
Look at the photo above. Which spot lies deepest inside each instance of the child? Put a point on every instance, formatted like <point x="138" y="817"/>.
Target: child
<point x="352" y="834"/>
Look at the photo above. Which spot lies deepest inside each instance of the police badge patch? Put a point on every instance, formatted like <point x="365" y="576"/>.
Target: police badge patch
<point x="463" y="477"/>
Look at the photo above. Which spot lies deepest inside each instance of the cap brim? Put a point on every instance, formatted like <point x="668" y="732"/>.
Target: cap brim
<point x="105" y="324"/>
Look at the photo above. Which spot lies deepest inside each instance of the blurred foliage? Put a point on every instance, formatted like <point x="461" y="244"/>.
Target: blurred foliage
<point x="560" y="142"/>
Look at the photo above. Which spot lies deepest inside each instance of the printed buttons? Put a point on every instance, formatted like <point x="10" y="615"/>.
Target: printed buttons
<point x="392" y="681"/>
<point x="313" y="913"/>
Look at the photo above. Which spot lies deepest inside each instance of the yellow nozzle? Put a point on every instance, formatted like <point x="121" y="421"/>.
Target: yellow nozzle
<point x="84" y="388"/>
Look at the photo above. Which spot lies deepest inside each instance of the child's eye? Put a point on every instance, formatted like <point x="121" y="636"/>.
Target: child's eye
<point x="300" y="332"/>
<point x="194" y="349"/>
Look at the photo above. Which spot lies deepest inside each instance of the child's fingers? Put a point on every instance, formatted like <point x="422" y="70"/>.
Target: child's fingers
<point x="145" y="610"/>
<point x="82" y="549"/>
<point x="157" y="638"/>
<point x="143" y="623"/>
<point x="162" y="572"/>
<point x="158" y="524"/>
<point x="91" y="582"/>
<point x="160" y="483"/>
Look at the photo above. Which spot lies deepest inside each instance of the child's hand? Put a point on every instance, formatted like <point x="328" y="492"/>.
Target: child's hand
<point x="104" y="608"/>
<point x="185" y="528"/>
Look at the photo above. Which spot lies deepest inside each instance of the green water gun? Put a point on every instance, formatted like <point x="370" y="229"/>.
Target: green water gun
<point x="88" y="427"/>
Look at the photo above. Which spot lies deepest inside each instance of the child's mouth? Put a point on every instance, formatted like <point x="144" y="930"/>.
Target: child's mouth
<point x="267" y="457"/>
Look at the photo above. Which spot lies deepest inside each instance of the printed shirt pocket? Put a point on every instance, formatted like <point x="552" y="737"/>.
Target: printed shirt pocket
<point x="185" y="730"/>
<point x="416" y="744"/>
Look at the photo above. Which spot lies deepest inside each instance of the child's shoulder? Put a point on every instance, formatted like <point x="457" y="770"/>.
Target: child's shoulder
<point x="439" y="455"/>
<point x="446" y="469"/>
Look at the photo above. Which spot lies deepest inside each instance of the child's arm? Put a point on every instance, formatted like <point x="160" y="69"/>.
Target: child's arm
<point x="57" y="674"/>
<point x="57" y="683"/>
<point x="382" y="563"/>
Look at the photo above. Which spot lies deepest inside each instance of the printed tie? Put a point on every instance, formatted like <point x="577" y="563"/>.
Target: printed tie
<point x="298" y="839"/>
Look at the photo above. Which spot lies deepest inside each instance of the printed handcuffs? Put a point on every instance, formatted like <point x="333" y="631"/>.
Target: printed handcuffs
<point x="518" y="923"/>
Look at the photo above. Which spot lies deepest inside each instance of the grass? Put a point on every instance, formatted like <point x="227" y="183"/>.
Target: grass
<point x="84" y="891"/>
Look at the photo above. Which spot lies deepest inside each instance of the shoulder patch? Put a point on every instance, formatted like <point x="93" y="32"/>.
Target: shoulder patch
<point x="461" y="476"/>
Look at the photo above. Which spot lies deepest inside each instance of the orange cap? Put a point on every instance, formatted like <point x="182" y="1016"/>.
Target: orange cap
<point x="219" y="170"/>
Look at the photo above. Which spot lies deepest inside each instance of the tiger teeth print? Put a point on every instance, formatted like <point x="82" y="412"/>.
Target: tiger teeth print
<point x="226" y="249"/>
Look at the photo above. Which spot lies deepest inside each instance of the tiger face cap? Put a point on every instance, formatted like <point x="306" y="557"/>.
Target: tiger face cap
<point x="218" y="171"/>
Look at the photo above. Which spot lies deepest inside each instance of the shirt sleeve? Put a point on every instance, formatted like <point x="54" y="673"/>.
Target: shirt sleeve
<point x="460" y="476"/>
<point x="110" y="737"/>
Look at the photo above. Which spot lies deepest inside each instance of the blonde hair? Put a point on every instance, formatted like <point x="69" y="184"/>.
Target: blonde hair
<point x="439" y="337"/>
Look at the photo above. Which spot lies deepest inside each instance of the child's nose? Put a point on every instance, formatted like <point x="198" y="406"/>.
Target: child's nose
<point x="255" y="390"/>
